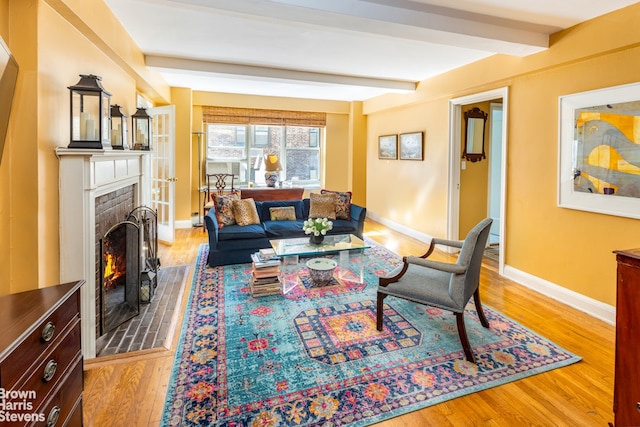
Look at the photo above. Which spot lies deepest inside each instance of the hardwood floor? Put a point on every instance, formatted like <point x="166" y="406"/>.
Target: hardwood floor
<point x="130" y="390"/>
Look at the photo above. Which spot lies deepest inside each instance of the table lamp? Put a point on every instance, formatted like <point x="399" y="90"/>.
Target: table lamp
<point x="272" y="168"/>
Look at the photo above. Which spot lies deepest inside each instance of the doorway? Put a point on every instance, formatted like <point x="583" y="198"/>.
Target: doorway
<point x="496" y="175"/>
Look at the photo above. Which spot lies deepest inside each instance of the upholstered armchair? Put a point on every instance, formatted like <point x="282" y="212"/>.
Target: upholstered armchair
<point x="448" y="286"/>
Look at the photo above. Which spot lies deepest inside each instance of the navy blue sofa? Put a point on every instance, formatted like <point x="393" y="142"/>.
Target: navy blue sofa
<point x="234" y="244"/>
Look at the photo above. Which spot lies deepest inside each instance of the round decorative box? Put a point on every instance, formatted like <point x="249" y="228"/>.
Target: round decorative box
<point x="321" y="270"/>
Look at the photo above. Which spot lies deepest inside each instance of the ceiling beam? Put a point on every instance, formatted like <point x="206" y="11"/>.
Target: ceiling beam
<point x="229" y="69"/>
<point x="404" y="19"/>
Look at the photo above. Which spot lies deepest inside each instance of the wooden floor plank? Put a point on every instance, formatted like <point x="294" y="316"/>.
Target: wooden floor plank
<point x="580" y="394"/>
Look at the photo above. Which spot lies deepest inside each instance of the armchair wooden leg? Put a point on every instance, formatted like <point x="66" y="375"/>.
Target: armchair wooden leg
<point x="379" y="310"/>
<point x="462" y="331"/>
<point x="479" y="310"/>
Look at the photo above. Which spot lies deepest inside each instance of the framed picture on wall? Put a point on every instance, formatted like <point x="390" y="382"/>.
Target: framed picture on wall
<point x="388" y="147"/>
<point x="411" y="146"/>
<point x="599" y="147"/>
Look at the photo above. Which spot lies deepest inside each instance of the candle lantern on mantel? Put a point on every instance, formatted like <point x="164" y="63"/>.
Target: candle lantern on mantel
<point x="118" y="128"/>
<point x="141" y="130"/>
<point x="90" y="114"/>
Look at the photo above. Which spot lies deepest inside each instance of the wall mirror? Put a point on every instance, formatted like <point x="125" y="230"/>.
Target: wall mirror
<point x="475" y="120"/>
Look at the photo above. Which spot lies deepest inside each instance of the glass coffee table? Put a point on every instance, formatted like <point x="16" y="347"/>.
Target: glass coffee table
<point x="349" y="248"/>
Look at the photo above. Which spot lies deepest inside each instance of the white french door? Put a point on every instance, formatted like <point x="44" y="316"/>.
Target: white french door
<point x="163" y="170"/>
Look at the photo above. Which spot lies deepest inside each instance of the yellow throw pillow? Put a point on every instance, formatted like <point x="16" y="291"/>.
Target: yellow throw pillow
<point x="284" y="213"/>
<point x="245" y="212"/>
<point x="323" y="205"/>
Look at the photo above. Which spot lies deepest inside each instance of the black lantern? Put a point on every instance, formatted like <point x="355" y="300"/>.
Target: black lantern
<point x="90" y="114"/>
<point x="148" y="283"/>
<point x="119" y="134"/>
<point x="141" y="130"/>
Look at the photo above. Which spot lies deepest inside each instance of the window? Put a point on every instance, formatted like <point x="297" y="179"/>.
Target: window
<point x="240" y="149"/>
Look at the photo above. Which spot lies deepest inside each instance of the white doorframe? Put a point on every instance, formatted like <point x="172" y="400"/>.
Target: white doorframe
<point x="455" y="156"/>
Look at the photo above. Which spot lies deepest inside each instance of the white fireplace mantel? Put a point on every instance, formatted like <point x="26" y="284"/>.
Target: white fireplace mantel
<point x="85" y="174"/>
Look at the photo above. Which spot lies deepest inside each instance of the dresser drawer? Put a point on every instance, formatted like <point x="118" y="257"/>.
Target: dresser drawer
<point x="65" y="401"/>
<point x="37" y="342"/>
<point x="56" y="364"/>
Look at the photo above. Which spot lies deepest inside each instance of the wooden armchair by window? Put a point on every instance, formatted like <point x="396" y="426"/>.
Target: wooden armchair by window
<point x="217" y="183"/>
<point x="447" y="286"/>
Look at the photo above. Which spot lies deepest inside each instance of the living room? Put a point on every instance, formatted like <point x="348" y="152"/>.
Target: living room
<point x="564" y="253"/>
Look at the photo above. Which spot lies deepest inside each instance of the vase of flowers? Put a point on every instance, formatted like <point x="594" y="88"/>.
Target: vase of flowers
<point x="317" y="228"/>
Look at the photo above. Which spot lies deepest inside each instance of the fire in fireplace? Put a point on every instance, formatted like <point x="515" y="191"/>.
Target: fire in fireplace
<point x="120" y="272"/>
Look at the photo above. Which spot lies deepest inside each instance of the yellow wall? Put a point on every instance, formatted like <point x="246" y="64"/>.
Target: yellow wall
<point x="53" y="45"/>
<point x="567" y="247"/>
<point x="184" y="158"/>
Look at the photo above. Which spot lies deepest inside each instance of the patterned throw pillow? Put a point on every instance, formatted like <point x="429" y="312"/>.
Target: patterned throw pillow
<point x="322" y="205"/>
<point x="284" y="213"/>
<point x="245" y="212"/>
<point x="343" y="205"/>
<point x="224" y="209"/>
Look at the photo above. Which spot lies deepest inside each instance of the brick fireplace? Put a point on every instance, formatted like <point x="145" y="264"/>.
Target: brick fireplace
<point x="97" y="189"/>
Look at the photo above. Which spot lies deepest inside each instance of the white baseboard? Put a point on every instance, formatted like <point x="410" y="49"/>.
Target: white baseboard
<point x="418" y="235"/>
<point x="185" y="223"/>
<point x="594" y="308"/>
<point x="597" y="309"/>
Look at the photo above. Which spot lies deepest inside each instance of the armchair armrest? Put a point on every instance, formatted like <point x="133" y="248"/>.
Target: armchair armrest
<point x="451" y="243"/>
<point x="437" y="265"/>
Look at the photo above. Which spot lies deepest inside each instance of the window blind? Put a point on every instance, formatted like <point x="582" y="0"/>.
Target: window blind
<point x="255" y="116"/>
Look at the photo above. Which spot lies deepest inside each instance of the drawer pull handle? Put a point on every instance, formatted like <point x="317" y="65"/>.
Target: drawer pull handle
<point x="53" y="416"/>
<point x="49" y="370"/>
<point x="48" y="331"/>
<point x="638" y="406"/>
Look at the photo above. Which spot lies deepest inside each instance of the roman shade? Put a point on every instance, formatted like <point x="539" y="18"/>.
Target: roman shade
<point x="255" y="116"/>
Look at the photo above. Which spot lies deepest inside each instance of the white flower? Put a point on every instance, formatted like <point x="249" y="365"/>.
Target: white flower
<point x="317" y="226"/>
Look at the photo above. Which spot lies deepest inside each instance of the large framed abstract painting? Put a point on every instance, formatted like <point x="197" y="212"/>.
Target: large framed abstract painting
<point x="599" y="158"/>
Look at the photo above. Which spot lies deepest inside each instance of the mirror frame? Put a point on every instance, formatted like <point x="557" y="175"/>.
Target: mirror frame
<point x="474" y="113"/>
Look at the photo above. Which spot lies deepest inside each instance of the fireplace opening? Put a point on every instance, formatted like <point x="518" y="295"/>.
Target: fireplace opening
<point x="120" y="273"/>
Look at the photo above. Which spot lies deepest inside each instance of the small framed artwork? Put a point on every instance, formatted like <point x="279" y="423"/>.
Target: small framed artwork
<point x="411" y="146"/>
<point x="388" y="147"/>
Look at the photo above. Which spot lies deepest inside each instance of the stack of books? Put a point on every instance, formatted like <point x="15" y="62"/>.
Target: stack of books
<point x="265" y="271"/>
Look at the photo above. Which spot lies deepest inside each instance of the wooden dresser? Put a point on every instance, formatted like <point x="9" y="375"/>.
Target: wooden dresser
<point x="626" y="393"/>
<point x="40" y="357"/>
<point x="267" y="194"/>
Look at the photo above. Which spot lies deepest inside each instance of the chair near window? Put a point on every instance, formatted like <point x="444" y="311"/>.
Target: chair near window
<point x="448" y="286"/>
<point x="218" y="183"/>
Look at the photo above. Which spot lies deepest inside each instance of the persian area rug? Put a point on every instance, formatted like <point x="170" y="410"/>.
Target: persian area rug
<point x="315" y="358"/>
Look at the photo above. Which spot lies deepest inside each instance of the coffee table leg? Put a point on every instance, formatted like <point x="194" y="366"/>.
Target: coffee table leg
<point x="289" y="272"/>
<point x="345" y="263"/>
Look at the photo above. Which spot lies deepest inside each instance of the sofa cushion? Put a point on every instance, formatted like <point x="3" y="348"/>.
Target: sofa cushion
<point x="234" y="232"/>
<point x="224" y="209"/>
<point x="323" y="205"/>
<point x="245" y="212"/>
<point x="264" y="208"/>
<point x="284" y="229"/>
<point x="343" y="203"/>
<point x="282" y="213"/>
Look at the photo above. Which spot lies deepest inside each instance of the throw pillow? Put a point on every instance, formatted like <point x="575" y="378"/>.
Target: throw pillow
<point x="343" y="205"/>
<point x="284" y="213"/>
<point x="224" y="209"/>
<point x="245" y="212"/>
<point x="322" y="205"/>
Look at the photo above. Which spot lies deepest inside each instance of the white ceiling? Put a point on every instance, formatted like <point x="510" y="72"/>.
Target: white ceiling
<point x="336" y="49"/>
